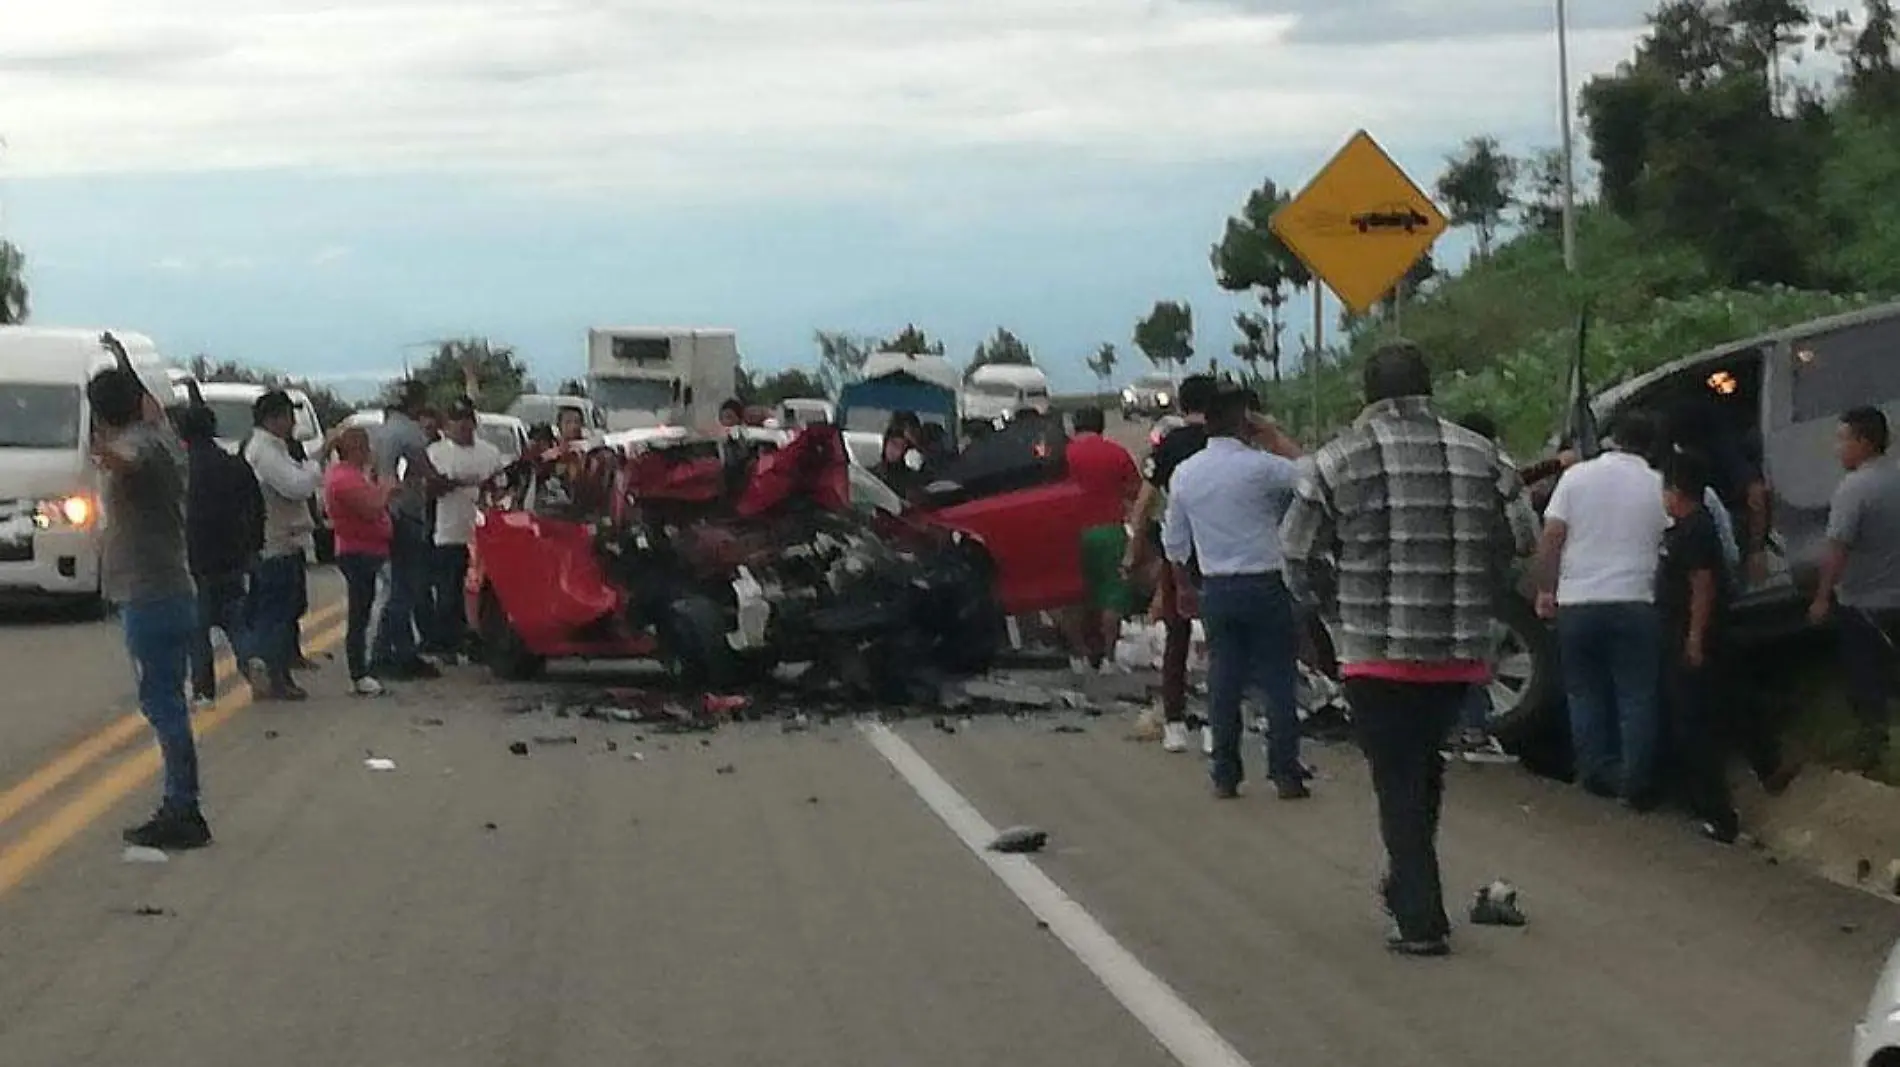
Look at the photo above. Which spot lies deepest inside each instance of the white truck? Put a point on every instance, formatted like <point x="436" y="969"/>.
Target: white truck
<point x="661" y="376"/>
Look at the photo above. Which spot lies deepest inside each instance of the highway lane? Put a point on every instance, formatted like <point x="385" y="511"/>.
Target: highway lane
<point x="67" y="678"/>
<point x="761" y="896"/>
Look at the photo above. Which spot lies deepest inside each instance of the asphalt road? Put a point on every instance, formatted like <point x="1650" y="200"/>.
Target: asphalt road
<point x="754" y="896"/>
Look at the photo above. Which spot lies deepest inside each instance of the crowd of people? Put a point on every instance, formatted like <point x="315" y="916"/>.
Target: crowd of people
<point x="1402" y="533"/>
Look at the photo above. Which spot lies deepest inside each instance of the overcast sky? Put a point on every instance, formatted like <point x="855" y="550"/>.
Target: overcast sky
<point x="312" y="184"/>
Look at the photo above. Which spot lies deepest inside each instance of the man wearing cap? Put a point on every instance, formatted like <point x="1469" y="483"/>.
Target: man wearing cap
<point x="465" y="462"/>
<point x="400" y="448"/>
<point x="276" y="597"/>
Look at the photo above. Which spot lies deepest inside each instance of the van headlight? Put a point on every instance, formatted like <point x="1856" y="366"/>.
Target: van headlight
<point x="1162" y="399"/>
<point x="1128" y="396"/>
<point x="66" y="512"/>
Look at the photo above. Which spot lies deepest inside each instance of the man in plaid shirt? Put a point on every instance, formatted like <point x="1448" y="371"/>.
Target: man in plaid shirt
<point x="1402" y="533"/>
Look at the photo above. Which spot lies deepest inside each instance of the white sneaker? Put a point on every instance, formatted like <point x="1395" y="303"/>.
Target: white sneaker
<point x="1174" y="737"/>
<point x="1078" y="665"/>
<point x="1110" y="668"/>
<point x="1207" y="740"/>
<point x="367" y="687"/>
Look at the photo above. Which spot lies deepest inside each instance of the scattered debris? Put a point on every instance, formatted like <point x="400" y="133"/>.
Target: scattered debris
<point x="811" y="800"/>
<point x="725" y="768"/>
<point x="1068" y="728"/>
<point x="1863" y="870"/>
<point x="727" y="705"/>
<point x="141" y="854"/>
<point x="1020" y="839"/>
<point x="943" y="725"/>
<point x="1496" y="905"/>
<point x="144" y="911"/>
<point x="557" y="739"/>
<point x="1007" y="692"/>
<point x="519" y="748"/>
<point x="270" y="735"/>
<point x="612" y="745"/>
<point x="1850" y="928"/>
<point x="1042" y="924"/>
<point x="489" y="826"/>
<point x="429" y="722"/>
<point x="637" y="757"/>
<point x="377" y="763"/>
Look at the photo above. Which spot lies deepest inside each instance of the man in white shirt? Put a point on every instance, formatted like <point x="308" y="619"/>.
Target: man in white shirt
<point x="464" y="461"/>
<point x="1597" y="563"/>
<point x="1224" y="510"/>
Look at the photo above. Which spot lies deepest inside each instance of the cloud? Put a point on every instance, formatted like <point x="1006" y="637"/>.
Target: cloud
<point x="709" y="99"/>
<point x="1363" y="22"/>
<point x="328" y="255"/>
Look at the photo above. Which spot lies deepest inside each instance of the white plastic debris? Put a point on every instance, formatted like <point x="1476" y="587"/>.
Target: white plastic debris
<point x="754" y="611"/>
<point x="141" y="854"/>
<point x="377" y="763"/>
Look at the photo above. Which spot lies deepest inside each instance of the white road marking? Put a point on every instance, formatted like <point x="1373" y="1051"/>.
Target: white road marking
<point x="1187" y="1036"/>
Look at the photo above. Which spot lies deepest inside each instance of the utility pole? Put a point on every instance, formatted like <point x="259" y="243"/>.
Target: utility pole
<point x="1570" y="169"/>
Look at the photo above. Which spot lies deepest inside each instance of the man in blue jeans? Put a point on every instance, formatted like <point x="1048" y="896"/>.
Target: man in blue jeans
<point x="400" y="450"/>
<point x="144" y="569"/>
<point x="277" y="589"/>
<point x="1596" y="572"/>
<point x="1224" y="510"/>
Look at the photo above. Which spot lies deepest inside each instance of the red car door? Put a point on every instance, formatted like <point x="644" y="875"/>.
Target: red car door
<point x="1034" y="535"/>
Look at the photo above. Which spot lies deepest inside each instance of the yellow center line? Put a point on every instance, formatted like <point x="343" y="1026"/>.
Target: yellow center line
<point x="61" y="768"/>
<point x="38" y="845"/>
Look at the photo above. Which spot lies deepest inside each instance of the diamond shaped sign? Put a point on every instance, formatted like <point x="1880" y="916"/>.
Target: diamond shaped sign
<point x="1360" y="224"/>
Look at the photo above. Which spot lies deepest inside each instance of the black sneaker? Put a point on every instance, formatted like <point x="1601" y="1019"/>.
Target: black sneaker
<point x="421" y="670"/>
<point x="303" y="663"/>
<point x="290" y="692"/>
<point x="1418" y="947"/>
<point x="1226" y="792"/>
<point x="170" y="831"/>
<point x="1292" y="789"/>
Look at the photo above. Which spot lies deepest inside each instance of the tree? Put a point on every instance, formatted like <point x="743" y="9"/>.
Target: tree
<point x="841" y="358"/>
<point x="1166" y="336"/>
<point x="1477" y="188"/>
<point x="1102" y="363"/>
<point x="499" y="376"/>
<point x="13" y="296"/>
<point x="1540" y="193"/>
<point x="1251" y="257"/>
<point x="1762" y="30"/>
<point x="912" y="341"/>
<point x="331" y="408"/>
<point x="1259" y="342"/>
<point x="1419" y="275"/>
<point x="1002" y="347"/>
<point x="780" y="386"/>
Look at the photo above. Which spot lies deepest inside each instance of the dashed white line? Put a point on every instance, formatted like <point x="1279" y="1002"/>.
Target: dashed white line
<point x="1184" y="1032"/>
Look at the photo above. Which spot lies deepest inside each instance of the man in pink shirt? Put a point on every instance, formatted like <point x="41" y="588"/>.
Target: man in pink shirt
<point x="358" y="506"/>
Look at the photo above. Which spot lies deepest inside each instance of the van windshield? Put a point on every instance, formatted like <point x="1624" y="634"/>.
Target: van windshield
<point x="631" y="394"/>
<point x="234" y="418"/>
<point x="992" y="387"/>
<point x="502" y="436"/>
<point x="39" y="416"/>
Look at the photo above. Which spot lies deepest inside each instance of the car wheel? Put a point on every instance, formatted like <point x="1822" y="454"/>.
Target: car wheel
<point x="1523" y="686"/>
<point x="981" y="629"/>
<point x="507" y="655"/>
<point x="693" y="640"/>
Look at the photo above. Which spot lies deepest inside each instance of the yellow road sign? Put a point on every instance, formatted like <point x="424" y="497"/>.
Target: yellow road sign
<point x="1360" y="224"/>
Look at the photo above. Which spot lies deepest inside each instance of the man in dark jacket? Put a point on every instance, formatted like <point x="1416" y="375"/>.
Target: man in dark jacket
<point x="224" y="527"/>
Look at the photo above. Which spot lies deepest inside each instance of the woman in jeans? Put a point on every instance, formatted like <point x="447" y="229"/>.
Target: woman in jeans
<point x="358" y="505"/>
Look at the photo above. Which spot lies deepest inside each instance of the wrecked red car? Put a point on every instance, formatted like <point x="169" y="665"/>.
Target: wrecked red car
<point x="727" y="555"/>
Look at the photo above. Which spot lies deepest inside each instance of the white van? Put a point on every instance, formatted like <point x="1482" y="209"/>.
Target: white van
<point x="1000" y="390"/>
<point x="505" y="432"/>
<point x="49" y="494"/>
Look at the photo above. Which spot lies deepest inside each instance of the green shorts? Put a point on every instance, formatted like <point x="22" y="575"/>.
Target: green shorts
<point x="1102" y="581"/>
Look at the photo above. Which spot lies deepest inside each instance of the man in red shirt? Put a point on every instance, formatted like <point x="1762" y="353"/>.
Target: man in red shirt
<point x="1108" y="477"/>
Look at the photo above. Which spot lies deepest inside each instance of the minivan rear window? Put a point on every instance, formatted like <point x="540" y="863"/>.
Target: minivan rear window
<point x="34" y="415"/>
<point x="1846" y="369"/>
